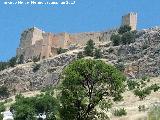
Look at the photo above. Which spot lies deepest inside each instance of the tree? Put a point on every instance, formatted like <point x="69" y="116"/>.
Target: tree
<point x="3" y="65"/>
<point x="89" y="49"/>
<point x="123" y="29"/>
<point x="4" y="93"/>
<point x="21" y="59"/>
<point x="97" y="54"/>
<point x="13" y="61"/>
<point x="85" y="83"/>
<point x="2" y="109"/>
<point x="116" y="39"/>
<point x="128" y="38"/>
<point x="27" y="108"/>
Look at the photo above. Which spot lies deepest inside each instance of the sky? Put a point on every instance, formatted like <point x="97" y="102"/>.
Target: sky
<point x="83" y="16"/>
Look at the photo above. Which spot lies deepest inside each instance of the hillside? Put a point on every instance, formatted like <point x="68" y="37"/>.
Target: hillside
<point x="139" y="59"/>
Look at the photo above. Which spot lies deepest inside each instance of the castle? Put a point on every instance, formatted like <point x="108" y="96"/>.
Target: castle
<point x="37" y="43"/>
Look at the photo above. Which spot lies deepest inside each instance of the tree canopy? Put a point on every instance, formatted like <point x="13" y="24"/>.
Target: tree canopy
<point x="85" y="83"/>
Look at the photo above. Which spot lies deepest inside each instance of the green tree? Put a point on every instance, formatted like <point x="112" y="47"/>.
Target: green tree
<point x="2" y="109"/>
<point x="27" y="108"/>
<point x="60" y="50"/>
<point x="123" y="29"/>
<point x="13" y="61"/>
<point x="89" y="49"/>
<point x="3" y="65"/>
<point x="127" y="38"/>
<point x="21" y="59"/>
<point x="116" y="39"/>
<point x="85" y="83"/>
<point x="97" y="54"/>
<point x="4" y="93"/>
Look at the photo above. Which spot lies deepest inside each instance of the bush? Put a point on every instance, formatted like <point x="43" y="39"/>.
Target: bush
<point x="3" y="65"/>
<point x="132" y="84"/>
<point x="13" y="61"/>
<point x="36" y="67"/>
<point x="4" y="93"/>
<point x="123" y="29"/>
<point x="80" y="55"/>
<point x="89" y="49"/>
<point x="120" y="112"/>
<point x="128" y="38"/>
<point x="21" y="59"/>
<point x="60" y="51"/>
<point x="116" y="39"/>
<point x="97" y="54"/>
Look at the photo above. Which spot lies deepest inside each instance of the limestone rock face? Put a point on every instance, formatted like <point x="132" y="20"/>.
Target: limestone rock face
<point x="141" y="57"/>
<point x="23" y="77"/>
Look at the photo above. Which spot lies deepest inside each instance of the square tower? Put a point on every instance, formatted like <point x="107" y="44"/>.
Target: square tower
<point x="130" y="19"/>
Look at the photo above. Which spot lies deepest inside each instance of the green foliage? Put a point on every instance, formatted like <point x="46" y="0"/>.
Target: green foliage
<point x="105" y="104"/>
<point x="27" y="108"/>
<point x="116" y="39"/>
<point x="128" y="38"/>
<point x="120" y="112"/>
<point x="142" y="108"/>
<point x="124" y="29"/>
<point x="36" y="67"/>
<point x="2" y="109"/>
<point x="89" y="49"/>
<point x="80" y="55"/>
<point x="142" y="90"/>
<point x="97" y="54"/>
<point x="13" y="61"/>
<point x="85" y="83"/>
<point x="4" y="93"/>
<point x="132" y="84"/>
<point x="154" y="113"/>
<point x="21" y="59"/>
<point x="60" y="51"/>
<point x="3" y="65"/>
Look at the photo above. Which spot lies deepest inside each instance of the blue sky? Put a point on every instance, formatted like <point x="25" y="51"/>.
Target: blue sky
<point x="85" y="15"/>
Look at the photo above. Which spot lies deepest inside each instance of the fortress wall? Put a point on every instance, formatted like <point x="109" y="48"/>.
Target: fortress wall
<point x="37" y="35"/>
<point x="82" y="38"/>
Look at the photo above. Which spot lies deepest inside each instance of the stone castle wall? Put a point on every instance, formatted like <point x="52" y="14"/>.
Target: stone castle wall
<point x="37" y="43"/>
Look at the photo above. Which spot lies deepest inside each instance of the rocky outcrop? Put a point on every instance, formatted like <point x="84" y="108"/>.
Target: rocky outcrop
<point x="141" y="57"/>
<point x="33" y="76"/>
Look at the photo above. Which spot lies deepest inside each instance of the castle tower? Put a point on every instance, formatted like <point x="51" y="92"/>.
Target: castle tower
<point x="130" y="19"/>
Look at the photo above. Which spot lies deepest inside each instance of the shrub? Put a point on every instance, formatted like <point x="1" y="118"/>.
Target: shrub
<point x="36" y="67"/>
<point x="4" y="93"/>
<point x="21" y="59"/>
<point x="123" y="29"/>
<point x="60" y="51"/>
<point x="3" y="65"/>
<point x="80" y="55"/>
<point x="120" y="112"/>
<point x="155" y="87"/>
<point x="128" y="38"/>
<point x="132" y="84"/>
<point x="97" y="54"/>
<point x="89" y="49"/>
<point x="13" y="61"/>
<point x="116" y="39"/>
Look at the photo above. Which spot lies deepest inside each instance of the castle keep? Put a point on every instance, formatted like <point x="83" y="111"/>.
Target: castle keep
<point x="37" y="43"/>
<point x="130" y="19"/>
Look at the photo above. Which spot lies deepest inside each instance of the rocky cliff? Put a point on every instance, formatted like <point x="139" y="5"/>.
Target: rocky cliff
<point x="139" y="58"/>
